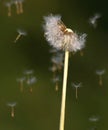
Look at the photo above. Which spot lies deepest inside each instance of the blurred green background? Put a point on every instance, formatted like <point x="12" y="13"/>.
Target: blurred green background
<point x="40" y="110"/>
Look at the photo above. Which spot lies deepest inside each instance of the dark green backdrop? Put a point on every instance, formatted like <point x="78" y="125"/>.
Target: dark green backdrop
<point x="40" y="110"/>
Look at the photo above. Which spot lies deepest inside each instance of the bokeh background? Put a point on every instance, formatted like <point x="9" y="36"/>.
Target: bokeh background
<point x="40" y="110"/>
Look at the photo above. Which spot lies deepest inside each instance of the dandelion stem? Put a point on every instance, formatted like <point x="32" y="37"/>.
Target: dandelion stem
<point x="17" y="8"/>
<point x="100" y="80"/>
<point x="21" y="7"/>
<point x="76" y="93"/>
<point x="63" y="102"/>
<point x="12" y="112"/>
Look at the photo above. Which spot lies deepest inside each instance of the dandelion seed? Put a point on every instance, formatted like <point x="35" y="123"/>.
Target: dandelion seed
<point x="53" y="69"/>
<point x="8" y="5"/>
<point x="93" y="20"/>
<point x="12" y="105"/>
<point x="94" y="118"/>
<point x="20" y="33"/>
<point x="100" y="73"/>
<point x="31" y="82"/>
<point x="76" y="86"/>
<point x="62" y="38"/>
<point x="21" y="81"/>
<point x="56" y="81"/>
<point x="21" y="6"/>
<point x="28" y="73"/>
<point x="57" y="60"/>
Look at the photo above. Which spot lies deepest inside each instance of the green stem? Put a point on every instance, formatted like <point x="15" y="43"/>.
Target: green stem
<point x="63" y="102"/>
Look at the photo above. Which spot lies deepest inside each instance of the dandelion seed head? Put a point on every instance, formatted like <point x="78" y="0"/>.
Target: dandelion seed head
<point x="22" y="32"/>
<point x="100" y="72"/>
<point x="12" y="104"/>
<point x="21" y="79"/>
<point x="28" y="72"/>
<point x="77" y="85"/>
<point x="8" y="4"/>
<point x="94" y="118"/>
<point x="61" y="37"/>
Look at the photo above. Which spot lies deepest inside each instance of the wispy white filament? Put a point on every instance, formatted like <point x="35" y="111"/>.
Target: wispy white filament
<point x="61" y="37"/>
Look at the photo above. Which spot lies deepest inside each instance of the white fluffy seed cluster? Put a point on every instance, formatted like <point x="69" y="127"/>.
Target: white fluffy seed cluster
<point x="61" y="37"/>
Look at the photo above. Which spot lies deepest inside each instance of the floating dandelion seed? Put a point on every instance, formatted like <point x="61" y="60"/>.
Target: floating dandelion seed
<point x="100" y="73"/>
<point x="93" y="19"/>
<point x="76" y="86"/>
<point x="8" y="5"/>
<point x="28" y="73"/>
<point x="53" y="69"/>
<point x="20" y="33"/>
<point x="57" y="60"/>
<point x="94" y="118"/>
<point x="30" y="82"/>
<point x="21" y="82"/>
<point x="62" y="38"/>
<point x="21" y="6"/>
<point x="12" y="105"/>
<point x="56" y="81"/>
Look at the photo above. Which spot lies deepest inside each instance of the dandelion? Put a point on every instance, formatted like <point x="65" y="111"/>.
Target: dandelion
<point x="8" y="5"/>
<point x="21" y="82"/>
<point x="94" y="118"/>
<point x="12" y="105"/>
<point x="93" y="19"/>
<point x="76" y="86"/>
<point x="56" y="80"/>
<point x="62" y="38"/>
<point x="20" y="33"/>
<point x="31" y="81"/>
<point x="100" y="73"/>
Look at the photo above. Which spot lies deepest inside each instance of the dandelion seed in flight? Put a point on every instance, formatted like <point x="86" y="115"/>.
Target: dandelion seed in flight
<point x="32" y="80"/>
<point x="76" y="86"/>
<point x="94" y="118"/>
<point x="8" y="5"/>
<point x="53" y="69"/>
<point x="20" y="33"/>
<point x="21" y="83"/>
<point x="21" y="6"/>
<point x="100" y="73"/>
<point x="12" y="105"/>
<point x="94" y="19"/>
<point x="57" y="60"/>
<point x="56" y="81"/>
